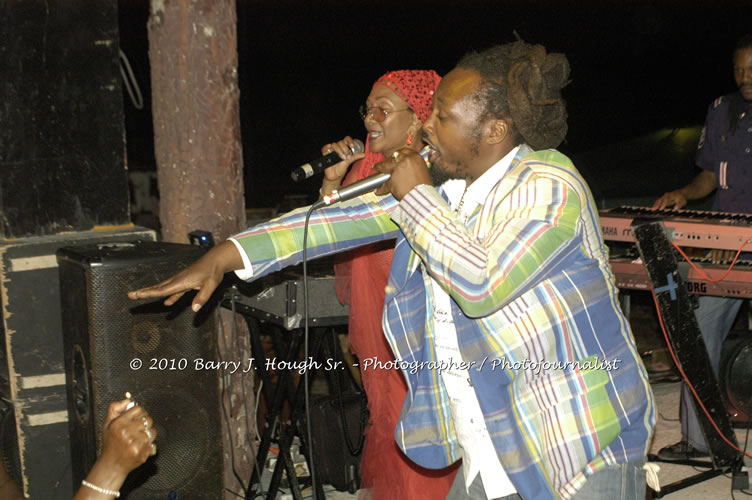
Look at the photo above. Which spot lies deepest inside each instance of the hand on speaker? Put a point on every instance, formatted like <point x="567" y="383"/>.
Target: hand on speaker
<point x="203" y="275"/>
<point x="127" y="442"/>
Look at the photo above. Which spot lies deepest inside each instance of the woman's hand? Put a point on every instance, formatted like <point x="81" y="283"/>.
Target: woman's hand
<point x="126" y="444"/>
<point x="333" y="175"/>
<point x="203" y="275"/>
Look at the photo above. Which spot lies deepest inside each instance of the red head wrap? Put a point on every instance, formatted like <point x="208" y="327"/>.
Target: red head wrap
<point x="416" y="88"/>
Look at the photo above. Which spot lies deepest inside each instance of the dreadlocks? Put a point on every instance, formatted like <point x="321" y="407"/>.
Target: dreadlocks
<point x="736" y="102"/>
<point x="523" y="84"/>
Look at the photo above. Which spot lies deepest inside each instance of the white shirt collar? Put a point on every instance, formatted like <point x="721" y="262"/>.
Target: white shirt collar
<point x="477" y="191"/>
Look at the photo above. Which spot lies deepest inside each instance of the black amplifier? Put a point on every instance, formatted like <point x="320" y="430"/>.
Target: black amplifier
<point x="279" y="299"/>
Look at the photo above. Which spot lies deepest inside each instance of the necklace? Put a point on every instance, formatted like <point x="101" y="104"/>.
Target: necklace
<point x="458" y="210"/>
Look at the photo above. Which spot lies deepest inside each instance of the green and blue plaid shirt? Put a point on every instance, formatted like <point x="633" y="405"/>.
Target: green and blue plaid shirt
<point x="554" y="364"/>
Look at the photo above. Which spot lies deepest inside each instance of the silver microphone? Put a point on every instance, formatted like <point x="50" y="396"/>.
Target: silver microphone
<point x="362" y="186"/>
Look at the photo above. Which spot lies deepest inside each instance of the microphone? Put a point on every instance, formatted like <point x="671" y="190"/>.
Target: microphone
<point x="318" y="165"/>
<point x="362" y="186"/>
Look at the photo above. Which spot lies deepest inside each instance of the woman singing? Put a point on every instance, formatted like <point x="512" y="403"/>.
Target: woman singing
<point x="393" y="114"/>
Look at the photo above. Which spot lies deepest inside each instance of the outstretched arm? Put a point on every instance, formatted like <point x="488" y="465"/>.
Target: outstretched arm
<point x="203" y="275"/>
<point x="274" y="245"/>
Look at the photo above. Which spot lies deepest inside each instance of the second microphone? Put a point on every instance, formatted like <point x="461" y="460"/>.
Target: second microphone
<point x="362" y="186"/>
<point x="320" y="164"/>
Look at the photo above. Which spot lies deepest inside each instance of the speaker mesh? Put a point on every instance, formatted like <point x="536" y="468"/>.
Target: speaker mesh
<point x="150" y="350"/>
<point x="739" y="378"/>
<point x="11" y="456"/>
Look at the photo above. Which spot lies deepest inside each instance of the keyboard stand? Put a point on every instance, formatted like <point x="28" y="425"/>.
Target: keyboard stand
<point x="273" y="313"/>
<point x="676" y="307"/>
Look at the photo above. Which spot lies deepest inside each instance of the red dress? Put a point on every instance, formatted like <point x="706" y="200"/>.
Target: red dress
<point x="386" y="473"/>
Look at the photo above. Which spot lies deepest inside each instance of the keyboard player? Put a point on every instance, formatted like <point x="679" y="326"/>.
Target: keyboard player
<point x="724" y="154"/>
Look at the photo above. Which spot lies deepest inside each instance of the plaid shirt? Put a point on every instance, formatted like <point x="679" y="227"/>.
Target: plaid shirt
<point x="531" y="286"/>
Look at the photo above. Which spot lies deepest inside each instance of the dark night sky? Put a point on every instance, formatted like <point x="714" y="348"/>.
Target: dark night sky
<point x="305" y="70"/>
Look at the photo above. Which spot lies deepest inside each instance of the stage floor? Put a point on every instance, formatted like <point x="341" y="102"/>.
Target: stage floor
<point x="667" y="431"/>
<point x="649" y="339"/>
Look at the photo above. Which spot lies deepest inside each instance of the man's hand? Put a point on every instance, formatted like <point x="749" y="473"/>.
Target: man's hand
<point x="203" y="275"/>
<point x="721" y="256"/>
<point x="677" y="199"/>
<point x="702" y="185"/>
<point x="407" y="169"/>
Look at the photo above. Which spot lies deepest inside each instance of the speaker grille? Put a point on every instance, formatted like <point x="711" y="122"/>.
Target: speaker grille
<point x="150" y="350"/>
<point x="11" y="456"/>
<point x="738" y="378"/>
<point x="181" y="425"/>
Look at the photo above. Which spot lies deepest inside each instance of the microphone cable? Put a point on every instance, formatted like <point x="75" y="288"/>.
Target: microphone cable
<point x="311" y="465"/>
<point x="424" y="152"/>
<point x="130" y="83"/>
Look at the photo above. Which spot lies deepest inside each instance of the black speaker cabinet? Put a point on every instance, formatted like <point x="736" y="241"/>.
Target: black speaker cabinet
<point x="334" y="422"/>
<point x="114" y="345"/>
<point x="736" y="376"/>
<point x="62" y="143"/>
<point x="35" y="437"/>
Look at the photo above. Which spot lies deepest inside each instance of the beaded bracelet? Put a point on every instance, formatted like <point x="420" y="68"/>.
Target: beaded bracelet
<point x="100" y="489"/>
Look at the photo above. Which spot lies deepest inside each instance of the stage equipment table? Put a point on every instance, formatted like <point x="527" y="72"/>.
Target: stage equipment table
<point x="274" y="309"/>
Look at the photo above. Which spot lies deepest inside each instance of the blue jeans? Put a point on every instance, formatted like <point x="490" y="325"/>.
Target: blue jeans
<point x="620" y="482"/>
<point x="715" y="317"/>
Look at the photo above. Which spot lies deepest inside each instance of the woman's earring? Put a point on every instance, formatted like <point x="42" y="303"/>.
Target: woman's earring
<point x="409" y="138"/>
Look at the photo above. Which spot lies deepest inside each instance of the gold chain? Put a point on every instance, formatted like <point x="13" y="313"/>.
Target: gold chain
<point x="458" y="210"/>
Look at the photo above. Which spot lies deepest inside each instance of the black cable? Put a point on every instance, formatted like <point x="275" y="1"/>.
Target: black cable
<point x="353" y="449"/>
<point x="224" y="412"/>
<point x="663" y="417"/>
<point x="245" y="400"/>
<point x="65" y="472"/>
<point x="312" y="466"/>
<point x="746" y="442"/>
<point x="230" y="491"/>
<point x="236" y="349"/>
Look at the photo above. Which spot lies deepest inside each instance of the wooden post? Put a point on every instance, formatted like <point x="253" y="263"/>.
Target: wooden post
<point x="194" y="80"/>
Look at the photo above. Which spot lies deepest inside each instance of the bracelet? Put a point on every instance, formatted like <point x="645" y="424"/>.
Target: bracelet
<point x="100" y="489"/>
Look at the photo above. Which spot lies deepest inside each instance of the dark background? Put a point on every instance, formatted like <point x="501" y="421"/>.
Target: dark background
<point x="304" y="71"/>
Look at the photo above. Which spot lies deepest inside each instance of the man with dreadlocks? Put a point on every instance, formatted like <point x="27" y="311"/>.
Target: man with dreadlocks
<point x="725" y="155"/>
<point x="501" y="309"/>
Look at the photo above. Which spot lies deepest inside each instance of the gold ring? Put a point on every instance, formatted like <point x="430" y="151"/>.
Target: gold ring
<point x="329" y="150"/>
<point x="153" y="449"/>
<point x="395" y="155"/>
